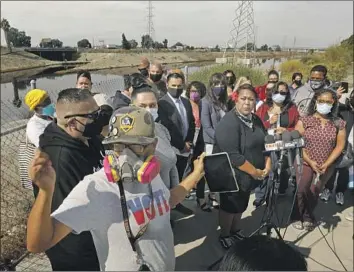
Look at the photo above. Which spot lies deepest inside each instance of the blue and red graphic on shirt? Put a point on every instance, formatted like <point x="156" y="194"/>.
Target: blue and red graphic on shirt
<point x="142" y="209"/>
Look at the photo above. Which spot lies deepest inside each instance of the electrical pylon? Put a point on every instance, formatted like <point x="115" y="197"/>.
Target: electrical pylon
<point x="150" y="23"/>
<point x="243" y="31"/>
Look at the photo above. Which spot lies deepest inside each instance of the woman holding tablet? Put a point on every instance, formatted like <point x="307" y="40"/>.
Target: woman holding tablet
<point x="240" y="134"/>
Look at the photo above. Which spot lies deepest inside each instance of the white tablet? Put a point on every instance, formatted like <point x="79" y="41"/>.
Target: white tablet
<point x="219" y="174"/>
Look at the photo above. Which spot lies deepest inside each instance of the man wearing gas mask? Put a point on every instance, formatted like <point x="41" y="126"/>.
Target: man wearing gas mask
<point x="75" y="150"/>
<point x="125" y="205"/>
<point x="155" y="79"/>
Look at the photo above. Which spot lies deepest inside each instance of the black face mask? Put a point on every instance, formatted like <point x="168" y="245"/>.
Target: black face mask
<point x="175" y="92"/>
<point x="298" y="82"/>
<point x="272" y="81"/>
<point x="156" y="77"/>
<point x="144" y="72"/>
<point x="92" y="129"/>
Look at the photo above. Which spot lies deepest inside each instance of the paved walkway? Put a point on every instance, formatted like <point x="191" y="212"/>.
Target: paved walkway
<point x="197" y="246"/>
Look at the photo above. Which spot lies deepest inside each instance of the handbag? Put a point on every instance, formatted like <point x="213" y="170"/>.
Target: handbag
<point x="25" y="156"/>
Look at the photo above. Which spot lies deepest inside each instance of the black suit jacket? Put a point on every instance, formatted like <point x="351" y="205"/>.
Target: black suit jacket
<point x="171" y="119"/>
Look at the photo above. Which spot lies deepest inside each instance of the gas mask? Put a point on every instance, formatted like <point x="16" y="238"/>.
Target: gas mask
<point x="129" y="167"/>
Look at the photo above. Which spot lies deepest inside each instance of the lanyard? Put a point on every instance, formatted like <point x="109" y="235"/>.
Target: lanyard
<point x="128" y="230"/>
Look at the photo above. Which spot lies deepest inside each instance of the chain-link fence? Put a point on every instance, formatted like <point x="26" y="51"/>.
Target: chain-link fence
<point x="16" y="201"/>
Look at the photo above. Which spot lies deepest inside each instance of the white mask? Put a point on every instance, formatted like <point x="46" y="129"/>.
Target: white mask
<point x="278" y="98"/>
<point x="323" y="108"/>
<point x="153" y="112"/>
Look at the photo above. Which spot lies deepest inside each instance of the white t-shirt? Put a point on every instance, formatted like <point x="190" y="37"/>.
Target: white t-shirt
<point x="35" y="128"/>
<point x="94" y="205"/>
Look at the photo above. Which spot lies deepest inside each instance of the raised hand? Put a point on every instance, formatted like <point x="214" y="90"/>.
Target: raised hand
<point x="41" y="171"/>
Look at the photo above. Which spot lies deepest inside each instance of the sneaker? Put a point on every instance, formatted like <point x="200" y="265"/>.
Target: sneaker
<point x="349" y="216"/>
<point x="309" y="226"/>
<point x="182" y="209"/>
<point x="298" y="225"/>
<point x="326" y="194"/>
<point x="226" y="242"/>
<point x="340" y="199"/>
<point x="238" y="235"/>
<point x="258" y="202"/>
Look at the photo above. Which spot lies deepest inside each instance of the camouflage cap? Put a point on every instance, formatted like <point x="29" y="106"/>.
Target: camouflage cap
<point x="131" y="125"/>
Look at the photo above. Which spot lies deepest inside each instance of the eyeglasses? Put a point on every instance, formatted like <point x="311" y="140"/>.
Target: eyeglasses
<point x="93" y="115"/>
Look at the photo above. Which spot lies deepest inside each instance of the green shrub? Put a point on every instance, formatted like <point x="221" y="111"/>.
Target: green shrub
<point x="337" y="59"/>
<point x="257" y="76"/>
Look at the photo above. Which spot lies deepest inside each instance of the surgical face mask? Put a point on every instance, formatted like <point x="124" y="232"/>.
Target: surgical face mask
<point x="316" y="84"/>
<point x="175" y="92"/>
<point x="48" y="110"/>
<point x="153" y="112"/>
<point x="155" y="77"/>
<point x="323" y="108"/>
<point x="218" y="91"/>
<point x="195" y="96"/>
<point x="278" y="98"/>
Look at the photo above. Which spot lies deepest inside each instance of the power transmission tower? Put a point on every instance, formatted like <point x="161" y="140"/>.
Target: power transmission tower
<point x="243" y="31"/>
<point x="150" y="23"/>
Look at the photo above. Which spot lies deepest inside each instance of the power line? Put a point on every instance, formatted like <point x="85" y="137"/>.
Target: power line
<point x="243" y="31"/>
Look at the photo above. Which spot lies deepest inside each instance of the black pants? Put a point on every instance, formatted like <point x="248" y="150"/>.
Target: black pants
<point x="342" y="182"/>
<point x="181" y="166"/>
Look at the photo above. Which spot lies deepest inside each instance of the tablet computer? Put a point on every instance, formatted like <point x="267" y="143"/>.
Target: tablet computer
<point x="219" y="174"/>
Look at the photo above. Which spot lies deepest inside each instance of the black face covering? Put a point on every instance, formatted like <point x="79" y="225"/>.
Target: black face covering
<point x="144" y="72"/>
<point x="175" y="92"/>
<point x="92" y="129"/>
<point x="155" y="77"/>
<point x="298" y="82"/>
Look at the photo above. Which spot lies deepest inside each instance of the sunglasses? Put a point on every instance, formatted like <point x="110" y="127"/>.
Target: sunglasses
<point x="93" y="115"/>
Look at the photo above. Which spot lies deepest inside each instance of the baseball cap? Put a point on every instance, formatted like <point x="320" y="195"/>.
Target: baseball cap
<point x="35" y="97"/>
<point x="144" y="63"/>
<point x="131" y="125"/>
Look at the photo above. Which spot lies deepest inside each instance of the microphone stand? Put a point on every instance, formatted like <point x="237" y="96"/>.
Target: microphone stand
<point x="272" y="192"/>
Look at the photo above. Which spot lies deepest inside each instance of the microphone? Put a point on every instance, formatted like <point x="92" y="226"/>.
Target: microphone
<point x="299" y="144"/>
<point x="287" y="138"/>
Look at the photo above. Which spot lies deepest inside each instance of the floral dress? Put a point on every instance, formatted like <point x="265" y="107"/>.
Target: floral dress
<point x="320" y="140"/>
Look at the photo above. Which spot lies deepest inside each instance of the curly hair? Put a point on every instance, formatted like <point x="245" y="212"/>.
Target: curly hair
<point x="287" y="102"/>
<point x="333" y="115"/>
<point x="200" y="87"/>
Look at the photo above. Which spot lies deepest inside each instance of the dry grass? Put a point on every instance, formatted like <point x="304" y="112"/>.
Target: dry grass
<point x="15" y="201"/>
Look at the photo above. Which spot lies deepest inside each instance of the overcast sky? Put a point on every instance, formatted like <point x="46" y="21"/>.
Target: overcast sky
<point x="313" y="23"/>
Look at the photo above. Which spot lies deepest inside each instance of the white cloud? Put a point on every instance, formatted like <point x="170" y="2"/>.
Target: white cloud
<point x="313" y="23"/>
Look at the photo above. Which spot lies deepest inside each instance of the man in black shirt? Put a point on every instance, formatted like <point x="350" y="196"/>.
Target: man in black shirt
<point x="75" y="150"/>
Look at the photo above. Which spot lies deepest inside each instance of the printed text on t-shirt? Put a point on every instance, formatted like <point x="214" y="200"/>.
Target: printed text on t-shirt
<point x="141" y="206"/>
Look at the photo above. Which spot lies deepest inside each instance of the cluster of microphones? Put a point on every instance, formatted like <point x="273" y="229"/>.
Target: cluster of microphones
<point x="286" y="144"/>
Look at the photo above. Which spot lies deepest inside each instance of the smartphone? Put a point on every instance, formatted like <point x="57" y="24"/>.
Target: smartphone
<point x="345" y="86"/>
